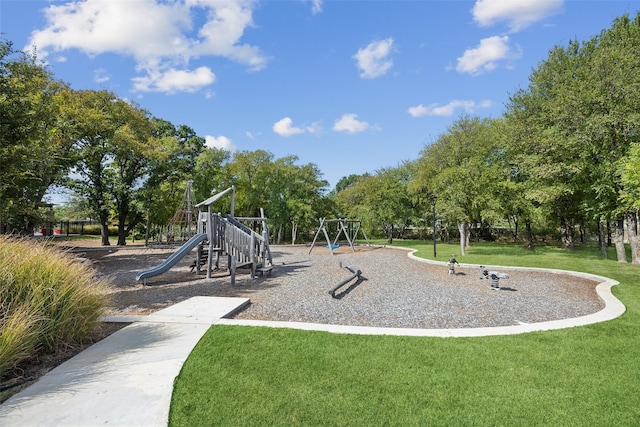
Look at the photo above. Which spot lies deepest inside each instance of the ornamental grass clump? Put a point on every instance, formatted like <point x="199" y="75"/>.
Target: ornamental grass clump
<point x="48" y="300"/>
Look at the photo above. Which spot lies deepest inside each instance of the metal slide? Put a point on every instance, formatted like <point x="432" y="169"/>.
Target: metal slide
<point x="173" y="259"/>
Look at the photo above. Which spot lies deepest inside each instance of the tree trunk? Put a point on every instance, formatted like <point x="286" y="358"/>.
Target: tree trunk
<point x="634" y="239"/>
<point x="146" y="231"/>
<point x="602" y="239"/>
<point x="567" y="235"/>
<point x="390" y="234"/>
<point x="467" y="242"/>
<point x="618" y="240"/>
<point x="463" y="229"/>
<point x="122" y="207"/>
<point x="104" y="233"/>
<point x="122" y="232"/>
<point x="278" y="239"/>
<point x="294" y="232"/>
<point x="529" y="235"/>
<point x="514" y="230"/>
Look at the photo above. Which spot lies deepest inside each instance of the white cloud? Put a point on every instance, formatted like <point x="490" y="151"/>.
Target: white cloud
<point x="486" y="55"/>
<point x="222" y="33"/>
<point x="448" y="109"/>
<point x="373" y="60"/>
<point x="100" y="75"/>
<point x="518" y="14"/>
<point x="160" y="36"/>
<point x="285" y="127"/>
<point x="350" y="124"/>
<point x="316" y="6"/>
<point x="171" y="81"/>
<point x="221" y="143"/>
<point x="314" y="128"/>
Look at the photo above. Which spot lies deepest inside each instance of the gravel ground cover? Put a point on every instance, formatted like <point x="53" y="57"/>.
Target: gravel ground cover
<point x="393" y="290"/>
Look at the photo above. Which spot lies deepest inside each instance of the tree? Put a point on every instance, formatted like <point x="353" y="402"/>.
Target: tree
<point x="295" y="196"/>
<point x="629" y="169"/>
<point x="577" y="119"/>
<point x="32" y="154"/>
<point x="345" y="182"/>
<point x="249" y="171"/>
<point x="546" y="147"/>
<point x="460" y="168"/>
<point x="380" y="200"/>
<point x="612" y="127"/>
<point x="210" y="174"/>
<point x="111" y="138"/>
<point x="130" y="158"/>
<point x="172" y="161"/>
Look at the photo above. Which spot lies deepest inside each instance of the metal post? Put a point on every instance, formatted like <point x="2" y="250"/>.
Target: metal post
<point x="433" y="210"/>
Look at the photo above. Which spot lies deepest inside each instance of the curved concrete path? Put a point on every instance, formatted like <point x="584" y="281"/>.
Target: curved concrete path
<point x="127" y="378"/>
<point x="124" y="380"/>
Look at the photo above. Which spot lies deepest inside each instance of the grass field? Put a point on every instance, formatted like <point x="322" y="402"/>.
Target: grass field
<point x="581" y="376"/>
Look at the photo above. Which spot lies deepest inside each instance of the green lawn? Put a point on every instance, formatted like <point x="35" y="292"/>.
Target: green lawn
<point x="582" y="376"/>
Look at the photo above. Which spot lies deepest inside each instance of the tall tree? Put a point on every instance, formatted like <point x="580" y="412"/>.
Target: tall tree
<point x="612" y="126"/>
<point x="131" y="151"/>
<point x="344" y="183"/>
<point x="211" y="174"/>
<point x="249" y="172"/>
<point x="548" y="147"/>
<point x="111" y="139"/>
<point x="577" y="119"/>
<point x="172" y="161"/>
<point x="381" y="200"/>
<point x="460" y="170"/>
<point x="32" y="154"/>
<point x="295" y="196"/>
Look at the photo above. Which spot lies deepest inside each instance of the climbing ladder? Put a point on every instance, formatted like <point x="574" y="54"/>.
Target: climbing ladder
<point x="183" y="224"/>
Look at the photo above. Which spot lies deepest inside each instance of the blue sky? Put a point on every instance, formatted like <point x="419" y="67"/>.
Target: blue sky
<point x="352" y="86"/>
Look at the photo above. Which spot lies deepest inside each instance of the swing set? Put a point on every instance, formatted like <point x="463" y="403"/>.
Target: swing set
<point x="342" y="229"/>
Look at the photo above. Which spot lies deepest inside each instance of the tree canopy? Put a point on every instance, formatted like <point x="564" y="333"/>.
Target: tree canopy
<point x="33" y="156"/>
<point x="564" y="158"/>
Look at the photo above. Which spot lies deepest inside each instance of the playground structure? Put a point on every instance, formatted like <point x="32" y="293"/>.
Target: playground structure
<point x="342" y="229"/>
<point x="219" y="236"/>
<point x="183" y="224"/>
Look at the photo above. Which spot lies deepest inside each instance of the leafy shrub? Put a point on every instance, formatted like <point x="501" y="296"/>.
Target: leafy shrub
<point x="48" y="300"/>
<point x="96" y="230"/>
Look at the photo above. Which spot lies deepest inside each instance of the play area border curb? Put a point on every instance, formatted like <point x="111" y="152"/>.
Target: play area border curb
<point x="613" y="309"/>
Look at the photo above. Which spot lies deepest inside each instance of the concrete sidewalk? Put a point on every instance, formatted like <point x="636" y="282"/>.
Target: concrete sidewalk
<point x="125" y="379"/>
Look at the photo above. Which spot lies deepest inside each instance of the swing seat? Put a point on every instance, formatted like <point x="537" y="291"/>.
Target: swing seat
<point x="333" y="246"/>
